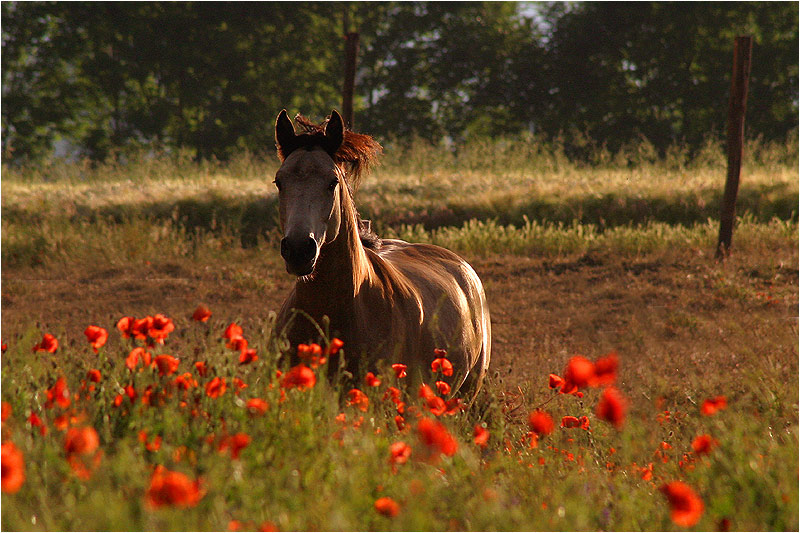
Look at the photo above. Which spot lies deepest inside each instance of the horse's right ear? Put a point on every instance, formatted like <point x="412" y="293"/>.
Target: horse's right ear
<point x="284" y="135"/>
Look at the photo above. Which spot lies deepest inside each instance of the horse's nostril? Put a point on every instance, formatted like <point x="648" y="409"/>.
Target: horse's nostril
<point x="298" y="250"/>
<point x="308" y="250"/>
<point x="285" y="250"/>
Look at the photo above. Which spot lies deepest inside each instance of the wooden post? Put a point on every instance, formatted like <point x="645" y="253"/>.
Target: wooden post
<point x="742" y="52"/>
<point x="350" y="55"/>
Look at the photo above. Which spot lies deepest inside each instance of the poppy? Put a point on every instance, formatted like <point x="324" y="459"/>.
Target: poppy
<point x="166" y="364"/>
<point x="152" y="446"/>
<point x="399" y="370"/>
<point x="237" y="343"/>
<point x="334" y="346"/>
<point x="555" y="381"/>
<point x="371" y="380"/>
<point x="358" y="399"/>
<point x="58" y="394"/>
<point x="37" y="422"/>
<point x="443" y="365"/>
<point x="578" y="373"/>
<point x="312" y="354"/>
<point x="399" y="452"/>
<point x="480" y="435"/>
<point x="300" y="377"/>
<point x="175" y="489"/>
<point x="13" y="468"/>
<point x="6" y="412"/>
<point x="235" y="443"/>
<point x="712" y="405"/>
<point x="436" y="405"/>
<point x="400" y="422"/>
<point x="540" y="422"/>
<point x="185" y="381"/>
<point x="570" y="422"/>
<point x="216" y="387"/>
<point x="605" y="370"/>
<point x="125" y="326"/>
<point x="96" y="336"/>
<point x="612" y="407"/>
<point x="4" y="346"/>
<point x="387" y="507"/>
<point x="133" y="358"/>
<point x="443" y="387"/>
<point x="685" y="505"/>
<point x="201" y="368"/>
<point x="93" y="375"/>
<point x="233" y="330"/>
<point x="267" y="526"/>
<point x="160" y="328"/>
<point x="201" y="314"/>
<point x="238" y="385"/>
<point x="248" y="356"/>
<point x="436" y="437"/>
<point x="141" y="327"/>
<point x="392" y="393"/>
<point x="81" y="441"/>
<point x="645" y="472"/>
<point x="703" y="444"/>
<point x="257" y="406"/>
<point x="47" y="344"/>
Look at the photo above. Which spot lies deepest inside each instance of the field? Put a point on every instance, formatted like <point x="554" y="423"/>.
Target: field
<point x="612" y="256"/>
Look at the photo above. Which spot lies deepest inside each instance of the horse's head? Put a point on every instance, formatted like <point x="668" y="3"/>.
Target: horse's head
<point x="309" y="184"/>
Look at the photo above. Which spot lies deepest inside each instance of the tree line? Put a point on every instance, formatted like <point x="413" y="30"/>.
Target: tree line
<point x="211" y="77"/>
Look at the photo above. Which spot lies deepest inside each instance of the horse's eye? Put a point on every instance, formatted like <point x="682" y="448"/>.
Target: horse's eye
<point x="333" y="184"/>
<point x="277" y="184"/>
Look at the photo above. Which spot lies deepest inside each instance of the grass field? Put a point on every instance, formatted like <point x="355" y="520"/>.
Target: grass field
<point x="616" y="256"/>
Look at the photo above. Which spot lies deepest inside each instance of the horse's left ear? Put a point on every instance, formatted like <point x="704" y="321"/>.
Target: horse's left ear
<point x="334" y="133"/>
<point x="284" y="135"/>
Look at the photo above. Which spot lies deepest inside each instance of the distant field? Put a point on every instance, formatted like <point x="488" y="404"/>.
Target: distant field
<point x="576" y="259"/>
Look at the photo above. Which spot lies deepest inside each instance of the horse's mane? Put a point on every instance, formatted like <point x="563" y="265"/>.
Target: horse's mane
<point x="358" y="152"/>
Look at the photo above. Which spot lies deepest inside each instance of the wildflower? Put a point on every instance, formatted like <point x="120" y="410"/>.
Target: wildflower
<point x="358" y="399"/>
<point x="256" y="406"/>
<point x="248" y="356"/>
<point x="152" y="446"/>
<point x="3" y="346"/>
<point x="480" y="435"/>
<point x="168" y="488"/>
<point x="167" y="365"/>
<point x="685" y="505"/>
<point x="399" y="452"/>
<point x="201" y="368"/>
<point x="371" y="380"/>
<point x="81" y="441"/>
<point x="605" y="370"/>
<point x="236" y="443"/>
<point x="436" y="437"/>
<point x="312" y="353"/>
<point x="6" y="411"/>
<point x="612" y="407"/>
<point x="541" y="423"/>
<point x="704" y="444"/>
<point x="37" y="422"/>
<point x="97" y="336"/>
<point x="185" y="381"/>
<point x="570" y="422"/>
<point x="59" y="394"/>
<point x="216" y="387"/>
<point x="443" y="387"/>
<point x="237" y="344"/>
<point x="334" y="346"/>
<point x="712" y="405"/>
<point x="141" y="327"/>
<point x="300" y="377"/>
<point x="133" y="358"/>
<point x="392" y="393"/>
<point x="555" y="381"/>
<point x="201" y="314"/>
<point x="125" y="326"/>
<point x="443" y="365"/>
<point x="47" y="344"/>
<point x="232" y="331"/>
<point x="160" y="328"/>
<point x="13" y="468"/>
<point x="399" y="370"/>
<point x="93" y="375"/>
<point x="578" y="373"/>
<point x="400" y="422"/>
<point x="387" y="507"/>
<point x="645" y="472"/>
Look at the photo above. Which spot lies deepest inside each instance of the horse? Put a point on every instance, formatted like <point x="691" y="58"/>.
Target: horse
<point x="386" y="299"/>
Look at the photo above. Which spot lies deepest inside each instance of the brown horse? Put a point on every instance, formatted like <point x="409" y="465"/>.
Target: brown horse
<point x="386" y="299"/>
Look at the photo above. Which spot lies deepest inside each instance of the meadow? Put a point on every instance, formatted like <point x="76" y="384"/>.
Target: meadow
<point x="601" y="273"/>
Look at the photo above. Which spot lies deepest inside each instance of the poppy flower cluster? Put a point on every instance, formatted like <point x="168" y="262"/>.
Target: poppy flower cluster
<point x="436" y="438"/>
<point x="151" y="329"/>
<point x="712" y="405"/>
<point x="48" y="344"/>
<point x="172" y="489"/>
<point x="686" y="506"/>
<point x="237" y="342"/>
<point x="13" y="468"/>
<point x="96" y="336"/>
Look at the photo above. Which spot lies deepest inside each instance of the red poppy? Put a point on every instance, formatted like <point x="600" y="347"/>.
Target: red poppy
<point x="235" y="443"/>
<point x="453" y="406"/>
<point x="267" y="526"/>
<point x="257" y="406"/>
<point x="480" y="435"/>
<point x="174" y="489"/>
<point x="578" y="373"/>
<point x="133" y="358"/>
<point x="712" y="405"/>
<point x="216" y="387"/>
<point x="392" y="393"/>
<point x="605" y="370"/>
<point x="233" y="330"/>
<point x="312" y="354"/>
<point x="167" y="365"/>
<point x="201" y="368"/>
<point x="399" y="452"/>
<point x="93" y="375"/>
<point x="3" y="346"/>
<point x="645" y="472"/>
<point x="685" y="505"/>
<point x="201" y="314"/>
<point x="59" y="394"/>
<point x="185" y="381"/>
<point x="612" y="407"/>
<point x="13" y="468"/>
<point x="358" y="399"/>
<point x="237" y="343"/>
<point x="541" y="423"/>
<point x="47" y="344"/>
<point x="334" y="347"/>
<point x="436" y="437"/>
<point x="141" y="327"/>
<point x="238" y="385"/>
<point x="125" y="326"/>
<point x="371" y="380"/>
<point x="443" y="365"/>
<point x="436" y="405"/>
<point x="160" y="328"/>
<point x="443" y="387"/>
<point x="400" y="422"/>
<point x="703" y="444"/>
<point x="555" y="381"/>
<point x="97" y="336"/>
<point x="81" y="441"/>
<point x="6" y="411"/>
<point x="152" y="446"/>
<point x="37" y="422"/>
<point x="300" y="377"/>
<point x="387" y="507"/>
<point x="248" y="356"/>
<point x="399" y="370"/>
<point x="570" y="422"/>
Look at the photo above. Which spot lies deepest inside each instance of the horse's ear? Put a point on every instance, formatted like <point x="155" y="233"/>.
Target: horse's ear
<point x="334" y="133"/>
<point x="284" y="135"/>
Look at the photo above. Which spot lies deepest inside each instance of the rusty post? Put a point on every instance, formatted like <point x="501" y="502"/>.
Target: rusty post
<point x="742" y="52"/>
<point x="350" y="56"/>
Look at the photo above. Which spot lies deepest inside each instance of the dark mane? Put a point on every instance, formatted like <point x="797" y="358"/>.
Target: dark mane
<point x="357" y="153"/>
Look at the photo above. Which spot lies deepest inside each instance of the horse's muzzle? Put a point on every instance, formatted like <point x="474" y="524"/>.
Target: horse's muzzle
<point x="299" y="254"/>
